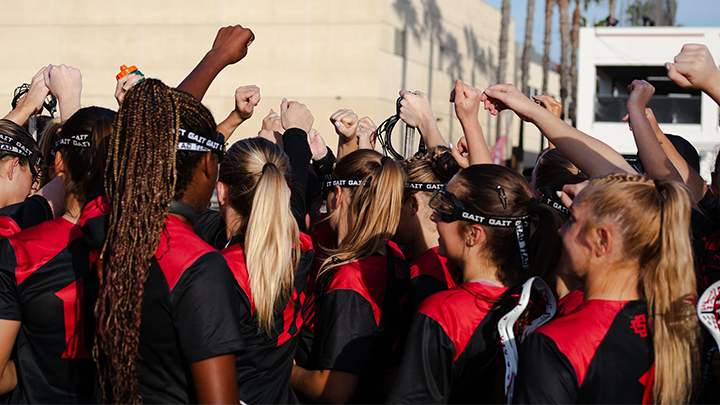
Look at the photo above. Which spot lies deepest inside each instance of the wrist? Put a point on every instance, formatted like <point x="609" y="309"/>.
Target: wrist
<point x="234" y="119"/>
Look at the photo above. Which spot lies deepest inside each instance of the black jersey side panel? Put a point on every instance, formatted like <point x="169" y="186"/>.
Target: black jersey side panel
<point x="545" y="376"/>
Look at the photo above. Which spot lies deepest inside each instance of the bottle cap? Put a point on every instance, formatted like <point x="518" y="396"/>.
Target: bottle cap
<point x="124" y="71"/>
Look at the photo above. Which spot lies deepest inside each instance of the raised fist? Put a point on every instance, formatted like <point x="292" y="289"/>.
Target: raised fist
<point x="346" y="123"/>
<point x="295" y="115"/>
<point x="232" y="43"/>
<point x="694" y="68"/>
<point x="467" y="101"/>
<point x="246" y="99"/>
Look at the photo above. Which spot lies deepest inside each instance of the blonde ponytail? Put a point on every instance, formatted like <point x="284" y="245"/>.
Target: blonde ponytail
<point x="374" y="209"/>
<point x="668" y="287"/>
<point x="654" y="218"/>
<point x="256" y="170"/>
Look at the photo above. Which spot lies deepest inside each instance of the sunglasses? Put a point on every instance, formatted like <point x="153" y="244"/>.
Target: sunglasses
<point x="449" y="208"/>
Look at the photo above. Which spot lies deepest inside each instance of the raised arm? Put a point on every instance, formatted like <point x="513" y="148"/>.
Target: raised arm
<point x="653" y="157"/>
<point x="589" y="154"/>
<point x="32" y="102"/>
<point x="467" y="105"/>
<point x="415" y="111"/>
<point x="246" y="99"/>
<point x="230" y="46"/>
<point x="65" y="83"/>
<point x="346" y="123"/>
<point x="694" y="68"/>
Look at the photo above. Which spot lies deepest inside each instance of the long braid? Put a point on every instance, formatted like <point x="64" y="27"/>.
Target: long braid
<point x="140" y="183"/>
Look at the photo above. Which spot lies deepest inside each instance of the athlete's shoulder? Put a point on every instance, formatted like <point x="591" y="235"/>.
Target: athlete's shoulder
<point x="459" y="301"/>
<point x="591" y="316"/>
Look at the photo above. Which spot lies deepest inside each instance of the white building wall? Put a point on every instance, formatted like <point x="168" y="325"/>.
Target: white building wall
<point x="643" y="46"/>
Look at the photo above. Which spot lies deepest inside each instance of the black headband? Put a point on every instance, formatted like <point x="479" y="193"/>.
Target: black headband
<point x="345" y="183"/>
<point x="79" y="141"/>
<point x="192" y="142"/>
<point x="11" y="144"/>
<point x="424" y="186"/>
<point x="548" y="199"/>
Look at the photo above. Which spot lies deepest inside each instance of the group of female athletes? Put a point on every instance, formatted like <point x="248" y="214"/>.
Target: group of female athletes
<point x="355" y="278"/>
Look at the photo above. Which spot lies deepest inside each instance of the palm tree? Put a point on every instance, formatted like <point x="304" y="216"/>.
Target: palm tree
<point x="503" y="51"/>
<point x="611" y="17"/>
<point x="527" y="48"/>
<point x="574" y="44"/>
<point x="546" y="48"/>
<point x="564" y="45"/>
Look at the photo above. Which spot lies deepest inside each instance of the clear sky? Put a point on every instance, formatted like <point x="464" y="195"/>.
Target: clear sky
<point x="690" y="13"/>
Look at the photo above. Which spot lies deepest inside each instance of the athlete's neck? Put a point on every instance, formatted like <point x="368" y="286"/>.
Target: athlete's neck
<point x="620" y="283"/>
<point x="73" y="208"/>
<point x="426" y="240"/>
<point x="480" y="269"/>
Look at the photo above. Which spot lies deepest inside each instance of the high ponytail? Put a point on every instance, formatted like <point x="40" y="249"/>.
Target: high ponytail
<point x="669" y="287"/>
<point x="654" y="219"/>
<point x="374" y="208"/>
<point x="256" y="173"/>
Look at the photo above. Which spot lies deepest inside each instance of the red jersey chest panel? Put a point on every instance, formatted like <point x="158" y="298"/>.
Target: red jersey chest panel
<point x="177" y="252"/>
<point x="33" y="248"/>
<point x="430" y="263"/>
<point x="460" y="310"/>
<point x="604" y="340"/>
<point x="8" y="227"/>
<point x="95" y="208"/>
<point x="367" y="278"/>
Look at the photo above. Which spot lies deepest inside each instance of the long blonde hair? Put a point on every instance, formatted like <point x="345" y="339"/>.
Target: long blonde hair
<point x="373" y="209"/>
<point x="257" y="174"/>
<point x="654" y="219"/>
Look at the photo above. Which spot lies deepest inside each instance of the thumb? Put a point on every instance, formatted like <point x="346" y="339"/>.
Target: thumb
<point x="676" y="76"/>
<point x="458" y="91"/>
<point x="626" y="117"/>
<point x="284" y="105"/>
<point x="462" y="160"/>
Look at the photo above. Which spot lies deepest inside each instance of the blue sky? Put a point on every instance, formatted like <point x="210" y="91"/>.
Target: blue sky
<point x="690" y="13"/>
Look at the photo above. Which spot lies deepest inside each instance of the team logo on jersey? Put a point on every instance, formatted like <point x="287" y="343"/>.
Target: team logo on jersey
<point x="639" y="325"/>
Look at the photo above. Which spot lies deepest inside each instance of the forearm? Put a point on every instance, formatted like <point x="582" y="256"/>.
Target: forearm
<point x="346" y="147"/>
<point x="230" y="124"/>
<point x="323" y="386"/>
<point x="589" y="154"/>
<point x="68" y="105"/>
<point x="19" y="115"/>
<point x="690" y="177"/>
<point x="478" y="151"/>
<point x="298" y="152"/>
<point x="714" y="90"/>
<point x="199" y="80"/>
<point x="654" y="160"/>
<point x="8" y="379"/>
<point x="431" y="134"/>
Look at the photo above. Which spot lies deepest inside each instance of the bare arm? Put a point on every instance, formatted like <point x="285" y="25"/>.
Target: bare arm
<point x="215" y="380"/>
<point x="589" y="154"/>
<point x="467" y="105"/>
<point x="324" y="386"/>
<point x="230" y="46"/>
<point x="32" y="102"/>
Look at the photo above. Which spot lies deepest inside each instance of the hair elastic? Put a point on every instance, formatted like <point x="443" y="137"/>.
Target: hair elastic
<point x="266" y="165"/>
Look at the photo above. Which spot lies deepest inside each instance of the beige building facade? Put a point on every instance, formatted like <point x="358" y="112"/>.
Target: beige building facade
<point x="327" y="54"/>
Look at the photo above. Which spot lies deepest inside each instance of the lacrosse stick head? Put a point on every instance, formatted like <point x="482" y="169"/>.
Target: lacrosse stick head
<point x="708" y="307"/>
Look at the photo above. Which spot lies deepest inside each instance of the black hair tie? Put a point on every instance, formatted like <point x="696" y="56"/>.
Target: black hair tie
<point x="660" y="188"/>
<point x="384" y="160"/>
<point x="266" y="165"/>
<point x="533" y="205"/>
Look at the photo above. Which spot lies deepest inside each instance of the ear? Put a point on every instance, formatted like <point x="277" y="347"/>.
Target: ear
<point x="603" y="241"/>
<point x="222" y="193"/>
<point x="413" y="204"/>
<point x="208" y="162"/>
<point x="10" y="168"/>
<point x="475" y="235"/>
<point x="338" y="197"/>
<point x="59" y="164"/>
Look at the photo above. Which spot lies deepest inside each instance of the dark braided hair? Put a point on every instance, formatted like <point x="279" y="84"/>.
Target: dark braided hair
<point x="144" y="172"/>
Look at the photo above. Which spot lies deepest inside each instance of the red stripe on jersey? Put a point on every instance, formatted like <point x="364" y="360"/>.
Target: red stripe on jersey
<point x="235" y="257"/>
<point x="95" y="208"/>
<point x="460" y="310"/>
<point x="306" y="243"/>
<point x="55" y="235"/>
<point x="178" y="249"/>
<point x="647" y="380"/>
<point x="8" y="227"/>
<point x="430" y="263"/>
<point x="367" y="277"/>
<point x="72" y="297"/>
<point x="578" y="334"/>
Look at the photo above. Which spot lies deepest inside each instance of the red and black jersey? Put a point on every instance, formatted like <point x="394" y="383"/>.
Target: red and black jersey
<point x="601" y="353"/>
<point x="264" y="369"/>
<point x="453" y="352"/>
<point x="190" y="310"/>
<point x="357" y="319"/>
<point x="47" y="284"/>
<point x="431" y="273"/>
<point x="17" y="217"/>
<point x="570" y="302"/>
